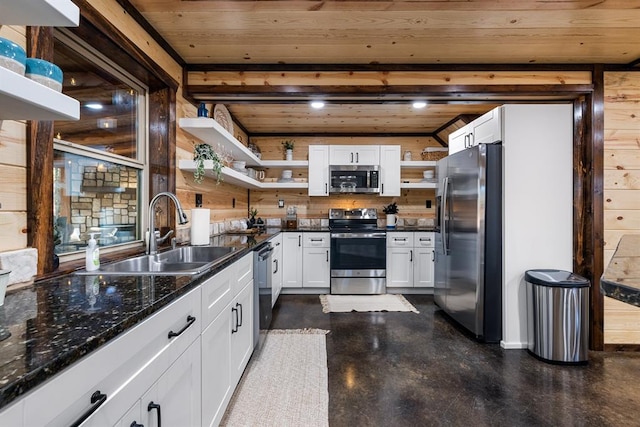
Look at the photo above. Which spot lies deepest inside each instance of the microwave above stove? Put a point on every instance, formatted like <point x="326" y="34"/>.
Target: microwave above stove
<point x="354" y="179"/>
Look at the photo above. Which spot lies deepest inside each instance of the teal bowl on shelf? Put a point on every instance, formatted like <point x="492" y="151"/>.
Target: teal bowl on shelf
<point x="44" y="72"/>
<point x="12" y="56"/>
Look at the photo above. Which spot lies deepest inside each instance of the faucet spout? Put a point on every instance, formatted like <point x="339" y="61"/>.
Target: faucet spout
<point x="182" y="219"/>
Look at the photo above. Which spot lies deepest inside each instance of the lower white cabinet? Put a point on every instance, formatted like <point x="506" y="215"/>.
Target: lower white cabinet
<point x="174" y="400"/>
<point x="400" y="259"/>
<point x="316" y="272"/>
<point x="424" y="256"/>
<point x="227" y="344"/>
<point x="276" y="268"/>
<point x="410" y="259"/>
<point x="291" y="260"/>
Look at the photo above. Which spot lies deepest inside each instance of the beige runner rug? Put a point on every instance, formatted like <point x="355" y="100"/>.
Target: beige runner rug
<point x="348" y="303"/>
<point x="285" y="384"/>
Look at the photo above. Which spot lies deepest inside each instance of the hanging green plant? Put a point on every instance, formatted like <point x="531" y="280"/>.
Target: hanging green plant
<point x="202" y="152"/>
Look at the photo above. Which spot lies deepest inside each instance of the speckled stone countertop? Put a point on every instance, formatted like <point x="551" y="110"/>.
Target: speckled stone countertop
<point x="621" y="279"/>
<point x="55" y="322"/>
<point x="326" y="229"/>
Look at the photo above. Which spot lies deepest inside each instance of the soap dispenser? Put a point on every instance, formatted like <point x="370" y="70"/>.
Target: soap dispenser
<point x="92" y="259"/>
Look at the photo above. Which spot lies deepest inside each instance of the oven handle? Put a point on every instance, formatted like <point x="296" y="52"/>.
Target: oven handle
<point x="358" y="235"/>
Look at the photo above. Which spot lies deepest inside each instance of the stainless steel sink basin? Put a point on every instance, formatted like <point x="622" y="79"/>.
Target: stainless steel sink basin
<point x="186" y="260"/>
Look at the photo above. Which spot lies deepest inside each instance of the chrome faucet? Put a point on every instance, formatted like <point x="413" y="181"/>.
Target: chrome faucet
<point x="182" y="219"/>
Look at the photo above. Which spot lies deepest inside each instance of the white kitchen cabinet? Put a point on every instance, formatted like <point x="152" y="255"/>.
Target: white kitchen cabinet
<point x="176" y="397"/>
<point x="316" y="248"/>
<point x="241" y="332"/>
<point x="410" y="259"/>
<point x="227" y="340"/>
<point x="389" y="170"/>
<point x="217" y="386"/>
<point x="400" y="259"/>
<point x="486" y="129"/>
<point x="276" y="268"/>
<point x="291" y="260"/>
<point x="458" y="140"/>
<point x="133" y="417"/>
<point x="318" y="170"/>
<point x="365" y="155"/>
<point x="423" y="255"/>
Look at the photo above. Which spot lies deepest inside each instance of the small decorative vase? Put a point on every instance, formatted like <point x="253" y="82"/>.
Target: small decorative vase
<point x="392" y="220"/>
<point x="289" y="155"/>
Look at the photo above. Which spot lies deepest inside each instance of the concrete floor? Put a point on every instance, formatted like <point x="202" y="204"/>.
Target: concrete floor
<point x="407" y="369"/>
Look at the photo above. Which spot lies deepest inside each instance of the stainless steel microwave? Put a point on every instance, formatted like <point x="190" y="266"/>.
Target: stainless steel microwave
<point x="354" y="179"/>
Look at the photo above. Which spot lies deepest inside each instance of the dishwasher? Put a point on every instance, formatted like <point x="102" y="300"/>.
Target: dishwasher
<point x="261" y="292"/>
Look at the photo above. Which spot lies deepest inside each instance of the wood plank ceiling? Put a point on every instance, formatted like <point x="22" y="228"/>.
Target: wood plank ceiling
<point x="308" y="32"/>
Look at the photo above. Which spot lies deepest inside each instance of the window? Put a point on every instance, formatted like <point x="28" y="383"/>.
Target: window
<point x="100" y="160"/>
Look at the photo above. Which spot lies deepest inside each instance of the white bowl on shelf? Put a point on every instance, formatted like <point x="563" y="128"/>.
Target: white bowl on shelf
<point x="239" y="165"/>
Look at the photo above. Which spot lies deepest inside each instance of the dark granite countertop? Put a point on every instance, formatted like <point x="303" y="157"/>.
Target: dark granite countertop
<point x="55" y="322"/>
<point x="621" y="279"/>
<point x="326" y="229"/>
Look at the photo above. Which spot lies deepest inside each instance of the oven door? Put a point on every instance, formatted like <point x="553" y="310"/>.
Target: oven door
<point x="358" y="263"/>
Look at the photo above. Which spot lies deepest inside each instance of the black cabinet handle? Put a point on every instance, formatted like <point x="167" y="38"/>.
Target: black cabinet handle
<point x="240" y="321"/>
<point x="351" y="157"/>
<point x="234" y="328"/>
<point x="433" y="256"/>
<point x="382" y="191"/>
<point x="299" y="240"/>
<point x="276" y="262"/>
<point x="327" y="256"/>
<point x="410" y="255"/>
<point x="97" y="399"/>
<point x="326" y="189"/>
<point x="357" y="157"/>
<point x="135" y="424"/>
<point x="190" y="320"/>
<point x="155" y="406"/>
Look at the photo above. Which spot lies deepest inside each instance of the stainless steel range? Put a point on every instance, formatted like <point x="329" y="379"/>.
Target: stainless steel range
<point x="358" y="252"/>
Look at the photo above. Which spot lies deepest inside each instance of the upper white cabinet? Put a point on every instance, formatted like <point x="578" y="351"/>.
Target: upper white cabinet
<point x="486" y="129"/>
<point x="47" y="13"/>
<point x="354" y="155"/>
<point x="22" y="98"/>
<point x="389" y="170"/>
<point x="318" y="170"/>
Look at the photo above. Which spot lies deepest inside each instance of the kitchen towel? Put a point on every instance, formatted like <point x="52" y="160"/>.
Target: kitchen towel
<point x="200" y="226"/>
<point x="348" y="303"/>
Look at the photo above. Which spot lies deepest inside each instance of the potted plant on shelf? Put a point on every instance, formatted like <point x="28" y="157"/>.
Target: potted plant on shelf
<point x="287" y="145"/>
<point x="201" y="153"/>
<point x="391" y="210"/>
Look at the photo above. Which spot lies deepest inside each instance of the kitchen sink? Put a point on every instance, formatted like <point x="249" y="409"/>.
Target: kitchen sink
<point x="185" y="260"/>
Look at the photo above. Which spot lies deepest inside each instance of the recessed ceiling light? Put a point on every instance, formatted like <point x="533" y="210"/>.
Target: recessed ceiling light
<point x="317" y="104"/>
<point x="93" y="106"/>
<point x="419" y="104"/>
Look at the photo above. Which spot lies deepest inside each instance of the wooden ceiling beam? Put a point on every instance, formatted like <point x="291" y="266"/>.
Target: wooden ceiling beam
<point x="292" y="92"/>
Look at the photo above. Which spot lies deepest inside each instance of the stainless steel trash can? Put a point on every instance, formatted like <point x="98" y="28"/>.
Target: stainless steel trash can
<point x="557" y="316"/>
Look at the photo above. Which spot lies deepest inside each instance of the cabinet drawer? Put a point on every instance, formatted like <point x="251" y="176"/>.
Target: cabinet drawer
<point x="316" y="240"/>
<point x="399" y="239"/>
<point x="244" y="271"/>
<point x="64" y="398"/>
<point x="424" y="239"/>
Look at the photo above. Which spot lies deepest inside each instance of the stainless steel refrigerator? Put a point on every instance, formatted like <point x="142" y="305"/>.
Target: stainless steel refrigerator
<point x="468" y="253"/>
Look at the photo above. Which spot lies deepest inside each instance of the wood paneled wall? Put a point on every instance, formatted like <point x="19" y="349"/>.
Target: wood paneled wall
<point x="621" y="190"/>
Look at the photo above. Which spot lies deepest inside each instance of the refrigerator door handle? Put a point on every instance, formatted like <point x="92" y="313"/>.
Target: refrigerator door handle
<point x="445" y="222"/>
